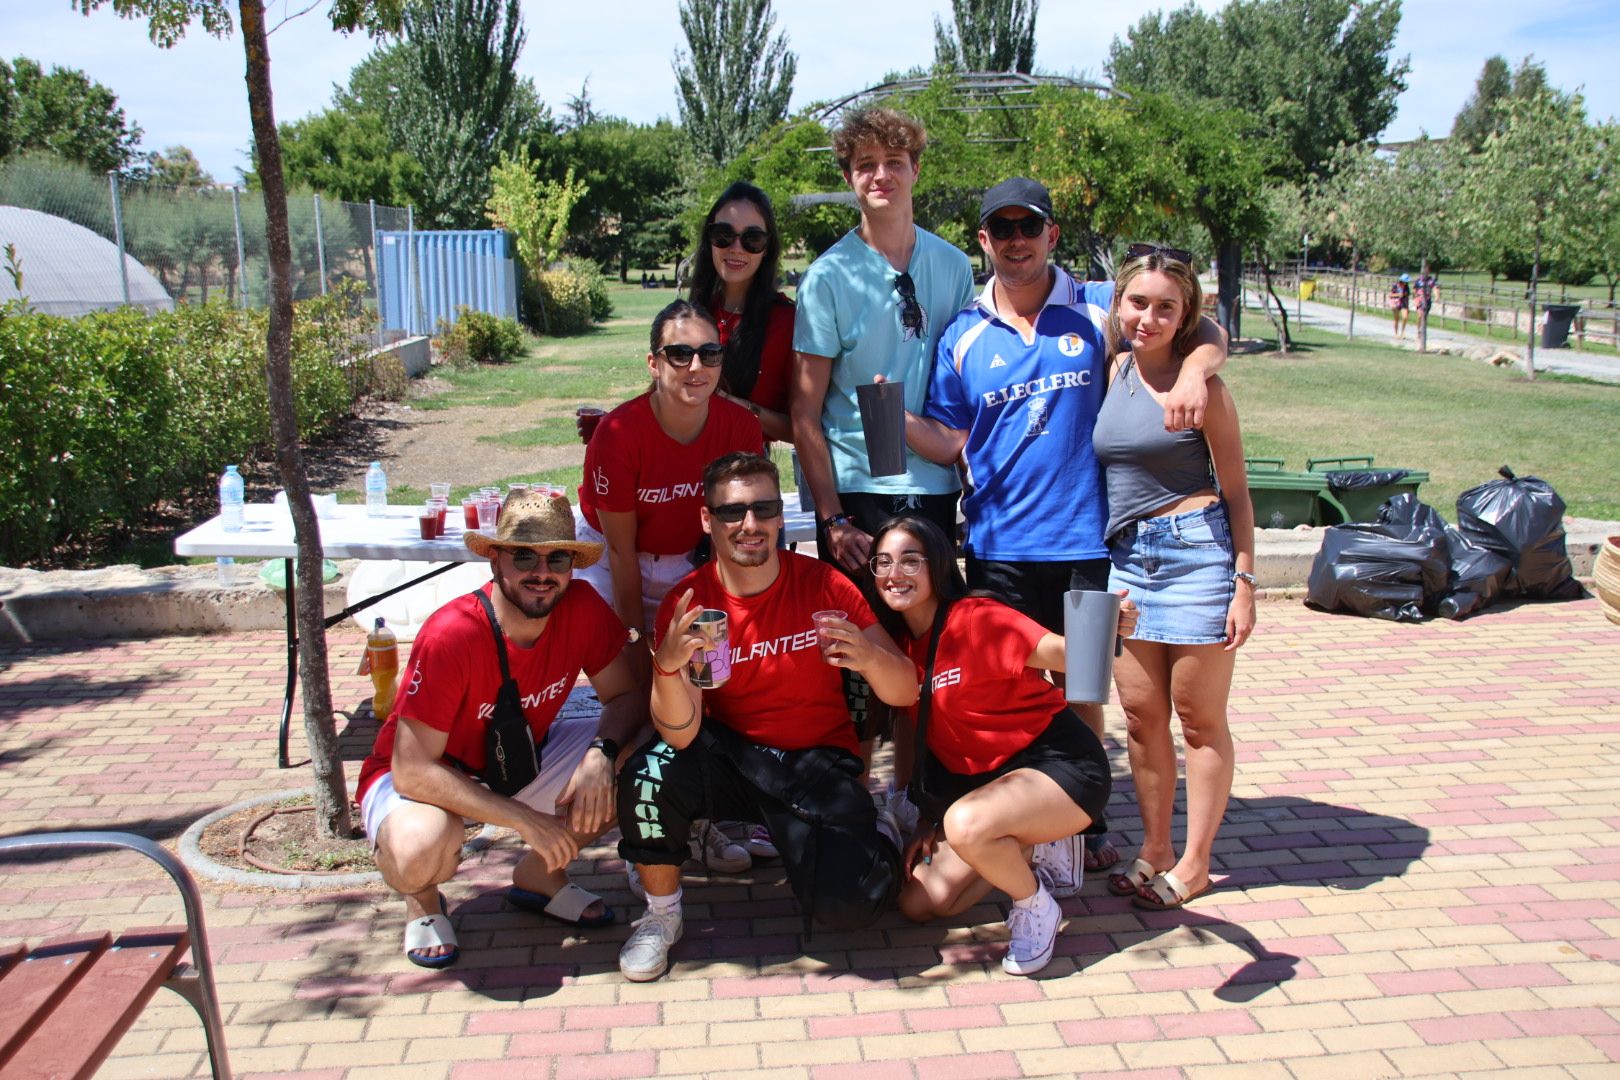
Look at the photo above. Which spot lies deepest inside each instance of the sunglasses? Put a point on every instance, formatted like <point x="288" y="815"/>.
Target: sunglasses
<point x="763" y="510"/>
<point x="711" y="353"/>
<point x="753" y="238"/>
<point x="911" y="312"/>
<point x="884" y="565"/>
<point x="1001" y="228"/>
<point x="527" y="559"/>
<point x="1142" y="251"/>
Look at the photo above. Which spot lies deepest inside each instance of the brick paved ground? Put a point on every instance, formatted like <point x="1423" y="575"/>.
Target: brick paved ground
<point x="1420" y="867"/>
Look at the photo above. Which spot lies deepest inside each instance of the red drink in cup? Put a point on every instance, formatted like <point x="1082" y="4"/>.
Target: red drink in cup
<point x="469" y="513"/>
<point x="822" y="620"/>
<point x="587" y="417"/>
<point x="427" y="523"/>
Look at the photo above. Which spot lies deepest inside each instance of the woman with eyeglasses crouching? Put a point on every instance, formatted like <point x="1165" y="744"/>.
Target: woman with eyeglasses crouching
<point x="1180" y="539"/>
<point x="1003" y="766"/>
<point x="734" y="275"/>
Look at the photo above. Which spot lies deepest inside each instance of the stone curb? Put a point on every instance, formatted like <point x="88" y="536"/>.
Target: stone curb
<point x="199" y="863"/>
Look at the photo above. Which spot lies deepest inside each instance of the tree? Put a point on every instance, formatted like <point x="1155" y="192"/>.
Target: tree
<point x="987" y="35"/>
<point x="1347" y="206"/>
<point x="534" y="211"/>
<point x="177" y="167"/>
<point x="66" y="113"/>
<point x="1314" y="73"/>
<point x="1485" y="112"/>
<point x="1602" y="227"/>
<point x="167" y="21"/>
<point x="736" y="80"/>
<point x="1532" y="183"/>
<point x="634" y="183"/>
<point x="1417" y="191"/>
<point x="349" y="153"/>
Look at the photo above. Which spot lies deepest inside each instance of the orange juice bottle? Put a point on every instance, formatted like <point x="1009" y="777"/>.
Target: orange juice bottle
<point x="382" y="648"/>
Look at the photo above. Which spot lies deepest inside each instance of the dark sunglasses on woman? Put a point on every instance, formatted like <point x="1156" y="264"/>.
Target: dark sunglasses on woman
<point x="753" y="238"/>
<point x="557" y="562"/>
<point x="1002" y="228"/>
<point x="1142" y="251"/>
<point x="711" y="353"/>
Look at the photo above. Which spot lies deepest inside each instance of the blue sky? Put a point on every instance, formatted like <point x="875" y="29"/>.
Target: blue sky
<point x="194" y="94"/>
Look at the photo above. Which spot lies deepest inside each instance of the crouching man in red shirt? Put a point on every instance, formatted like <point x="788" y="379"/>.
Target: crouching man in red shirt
<point x="774" y="744"/>
<point x="423" y="776"/>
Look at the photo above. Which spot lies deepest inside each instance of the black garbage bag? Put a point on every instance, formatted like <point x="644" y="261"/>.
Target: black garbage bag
<point x="1475" y="579"/>
<point x="1361" y="479"/>
<point x="1522" y="520"/>
<point x="1394" y="568"/>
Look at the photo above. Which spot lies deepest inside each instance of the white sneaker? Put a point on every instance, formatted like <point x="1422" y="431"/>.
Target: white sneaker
<point x="717" y="851"/>
<point x="1060" y="865"/>
<point x="759" y="844"/>
<point x="645" y="955"/>
<point x="1033" y="935"/>
<point x="633" y="876"/>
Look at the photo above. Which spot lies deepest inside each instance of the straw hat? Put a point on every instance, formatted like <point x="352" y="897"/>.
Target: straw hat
<point x="536" y="521"/>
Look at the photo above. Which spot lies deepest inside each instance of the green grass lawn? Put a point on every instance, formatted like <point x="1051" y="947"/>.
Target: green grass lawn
<point x="1457" y="419"/>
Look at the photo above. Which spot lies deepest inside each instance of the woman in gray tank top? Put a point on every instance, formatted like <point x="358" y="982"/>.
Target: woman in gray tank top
<point x="1181" y="540"/>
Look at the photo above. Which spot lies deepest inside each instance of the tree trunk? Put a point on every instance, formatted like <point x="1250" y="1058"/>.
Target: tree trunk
<point x="331" y="797"/>
<point x="1284" y="342"/>
<point x="1535" y="272"/>
<point x="1229" y="287"/>
<point x="1423" y="309"/>
<point x="1353" y="287"/>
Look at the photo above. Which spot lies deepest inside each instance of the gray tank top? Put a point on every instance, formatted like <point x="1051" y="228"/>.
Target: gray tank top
<point x="1144" y="466"/>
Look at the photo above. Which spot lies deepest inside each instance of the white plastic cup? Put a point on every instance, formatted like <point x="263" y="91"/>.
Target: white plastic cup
<point x="1090" y="631"/>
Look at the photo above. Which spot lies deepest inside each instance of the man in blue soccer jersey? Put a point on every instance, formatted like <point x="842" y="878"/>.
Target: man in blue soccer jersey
<point x="1018" y="378"/>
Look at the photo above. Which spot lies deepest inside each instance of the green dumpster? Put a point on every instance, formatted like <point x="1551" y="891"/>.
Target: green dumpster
<point x="1283" y="499"/>
<point x="1359" y="488"/>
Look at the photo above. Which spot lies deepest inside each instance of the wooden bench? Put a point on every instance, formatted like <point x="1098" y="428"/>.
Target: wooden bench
<point x="65" y="1004"/>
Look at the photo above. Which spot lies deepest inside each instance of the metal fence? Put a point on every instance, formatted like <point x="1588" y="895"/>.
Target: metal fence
<point x="196" y="245"/>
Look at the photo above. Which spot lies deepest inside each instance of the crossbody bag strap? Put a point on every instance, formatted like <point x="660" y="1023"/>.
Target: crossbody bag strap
<point x="925" y="698"/>
<point x="495" y="628"/>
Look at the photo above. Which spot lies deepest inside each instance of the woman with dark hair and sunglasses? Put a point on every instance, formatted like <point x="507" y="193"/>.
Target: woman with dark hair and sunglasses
<point x="1181" y="540"/>
<point x="734" y="274"/>
<point x="1004" y="765"/>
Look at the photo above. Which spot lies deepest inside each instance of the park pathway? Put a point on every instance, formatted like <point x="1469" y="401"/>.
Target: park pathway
<point x="1417" y="877"/>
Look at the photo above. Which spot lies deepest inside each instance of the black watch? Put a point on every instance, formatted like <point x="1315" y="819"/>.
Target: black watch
<point x="837" y="519"/>
<point x="608" y="747"/>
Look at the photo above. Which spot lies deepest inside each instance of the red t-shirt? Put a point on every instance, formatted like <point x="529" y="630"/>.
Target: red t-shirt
<point x="453" y="674"/>
<point x="780" y="694"/>
<point x="631" y="464"/>
<point x="775" y="381"/>
<point x="988" y="703"/>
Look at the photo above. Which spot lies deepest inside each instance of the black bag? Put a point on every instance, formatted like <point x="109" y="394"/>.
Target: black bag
<point x="1522" y="520"/>
<point x="1476" y="577"/>
<point x="1394" y="568"/>
<point x="1362" y="479"/>
<point x="511" y="760"/>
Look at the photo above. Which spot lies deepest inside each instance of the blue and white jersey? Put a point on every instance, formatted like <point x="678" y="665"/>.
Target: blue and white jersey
<point x="1028" y="408"/>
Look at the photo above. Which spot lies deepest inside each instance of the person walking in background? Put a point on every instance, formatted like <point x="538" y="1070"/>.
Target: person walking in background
<point x="734" y="275"/>
<point x="1400" y="303"/>
<point x="1181" y="540"/>
<point x="1425" y="291"/>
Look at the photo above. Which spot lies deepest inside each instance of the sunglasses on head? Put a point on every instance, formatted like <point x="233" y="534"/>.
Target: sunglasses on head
<point x="911" y="312"/>
<point x="1002" y="228"/>
<point x="753" y="238"/>
<point x="711" y="353"/>
<point x="528" y="558"/>
<point x="1142" y="251"/>
<point x="763" y="510"/>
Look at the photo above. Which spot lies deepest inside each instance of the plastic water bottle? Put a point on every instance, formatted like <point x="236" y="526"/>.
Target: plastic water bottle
<point x="376" y="490"/>
<point x="225" y="567"/>
<point x="382" y="650"/>
<point x="231" y="496"/>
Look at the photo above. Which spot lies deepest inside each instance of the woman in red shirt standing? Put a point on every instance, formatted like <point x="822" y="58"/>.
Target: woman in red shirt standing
<point x="734" y="275"/>
<point x="1008" y="768"/>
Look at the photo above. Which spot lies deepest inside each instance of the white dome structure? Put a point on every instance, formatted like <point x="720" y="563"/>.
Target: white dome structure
<point x="70" y="270"/>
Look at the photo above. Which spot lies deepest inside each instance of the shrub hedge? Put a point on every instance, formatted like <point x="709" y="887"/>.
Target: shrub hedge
<point x="479" y="338"/>
<point x="103" y="417"/>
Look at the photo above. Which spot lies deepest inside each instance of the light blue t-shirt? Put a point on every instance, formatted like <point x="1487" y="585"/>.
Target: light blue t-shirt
<point x="849" y="309"/>
<point x="1028" y="409"/>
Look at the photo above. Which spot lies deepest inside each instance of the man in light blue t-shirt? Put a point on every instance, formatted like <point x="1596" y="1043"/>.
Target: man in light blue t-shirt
<point x="871" y="306"/>
<point x="1017" y="380"/>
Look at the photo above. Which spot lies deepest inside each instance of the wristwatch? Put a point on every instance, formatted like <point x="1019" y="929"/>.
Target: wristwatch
<point x="837" y="519"/>
<point x="1244" y="575"/>
<point x="608" y="747"/>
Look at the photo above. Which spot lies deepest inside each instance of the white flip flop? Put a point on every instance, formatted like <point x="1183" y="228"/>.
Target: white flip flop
<point x="427" y="932"/>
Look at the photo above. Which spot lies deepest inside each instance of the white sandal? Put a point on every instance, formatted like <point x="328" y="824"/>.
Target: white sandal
<point x="426" y="933"/>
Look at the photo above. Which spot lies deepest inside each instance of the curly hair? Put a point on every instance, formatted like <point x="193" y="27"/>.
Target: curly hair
<point x="886" y="127"/>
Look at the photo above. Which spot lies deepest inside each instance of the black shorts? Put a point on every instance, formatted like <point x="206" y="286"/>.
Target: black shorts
<point x="1067" y="751"/>
<point x="1036" y="588"/>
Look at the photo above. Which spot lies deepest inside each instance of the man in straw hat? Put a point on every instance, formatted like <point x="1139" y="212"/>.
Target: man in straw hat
<point x="424" y="775"/>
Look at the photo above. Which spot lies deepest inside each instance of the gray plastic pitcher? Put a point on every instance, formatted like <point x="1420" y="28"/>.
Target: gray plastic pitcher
<point x="883" y="417"/>
<point x="1090" y="634"/>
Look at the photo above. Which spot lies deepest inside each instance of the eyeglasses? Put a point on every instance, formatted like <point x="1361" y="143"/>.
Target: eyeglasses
<point x="557" y="562"/>
<point x="753" y="238"/>
<point x="884" y="565"/>
<point x="1142" y="251"/>
<point x="763" y="510"/>
<point x="911" y="312"/>
<point x="711" y="353"/>
<point x="1002" y="228"/>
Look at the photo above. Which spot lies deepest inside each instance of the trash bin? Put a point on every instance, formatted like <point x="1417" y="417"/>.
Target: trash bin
<point x="1307" y="288"/>
<point x="1555" y="331"/>
<point x="1358" y="488"/>
<point x="1284" y="500"/>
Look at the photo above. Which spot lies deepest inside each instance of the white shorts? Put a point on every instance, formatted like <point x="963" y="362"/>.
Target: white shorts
<point x="567" y="742"/>
<point x="659" y="573"/>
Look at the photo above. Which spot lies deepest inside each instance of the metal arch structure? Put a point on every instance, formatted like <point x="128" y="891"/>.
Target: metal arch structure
<point x="980" y="90"/>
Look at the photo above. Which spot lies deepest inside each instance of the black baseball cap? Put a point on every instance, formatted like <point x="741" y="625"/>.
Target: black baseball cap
<point x="1019" y="191"/>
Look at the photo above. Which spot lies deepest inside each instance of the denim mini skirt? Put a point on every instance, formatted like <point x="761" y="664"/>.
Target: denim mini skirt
<point x="1179" y="573"/>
